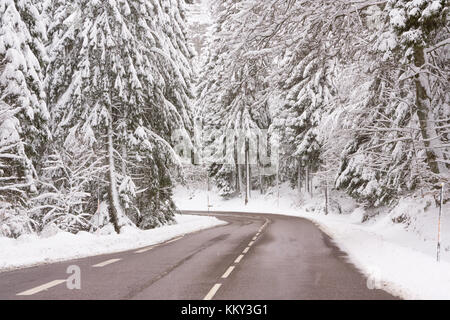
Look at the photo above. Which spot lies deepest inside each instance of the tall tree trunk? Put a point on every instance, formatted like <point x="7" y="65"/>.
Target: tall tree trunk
<point x="307" y="179"/>
<point x="424" y="111"/>
<point x="258" y="164"/>
<point x="299" y="177"/>
<point x="236" y="180"/>
<point x="261" y="186"/>
<point x="124" y="159"/>
<point x="124" y="152"/>
<point x="114" y="211"/>
<point x="241" y="183"/>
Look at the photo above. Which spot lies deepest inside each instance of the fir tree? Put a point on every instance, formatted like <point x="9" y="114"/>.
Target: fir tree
<point x="124" y="86"/>
<point x="233" y="97"/>
<point x="23" y="111"/>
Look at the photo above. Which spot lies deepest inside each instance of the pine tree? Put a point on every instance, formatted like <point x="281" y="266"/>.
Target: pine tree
<point x="307" y="92"/>
<point x="389" y="155"/>
<point x="233" y="97"/>
<point x="306" y="84"/>
<point x="23" y="111"/>
<point x="416" y="23"/>
<point x="123" y="86"/>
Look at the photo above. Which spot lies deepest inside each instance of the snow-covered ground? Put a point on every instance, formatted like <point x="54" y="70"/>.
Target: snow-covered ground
<point x="54" y="246"/>
<point x="396" y="248"/>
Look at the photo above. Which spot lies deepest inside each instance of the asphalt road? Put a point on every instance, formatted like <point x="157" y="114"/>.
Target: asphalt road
<point x="255" y="256"/>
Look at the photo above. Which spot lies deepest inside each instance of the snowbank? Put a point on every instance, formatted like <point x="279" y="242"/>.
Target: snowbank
<point x="55" y="246"/>
<point x="186" y="199"/>
<point x="395" y="249"/>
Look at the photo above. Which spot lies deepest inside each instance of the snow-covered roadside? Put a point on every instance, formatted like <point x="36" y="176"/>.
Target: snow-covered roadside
<point x="390" y="263"/>
<point x="399" y="257"/>
<point x="32" y="250"/>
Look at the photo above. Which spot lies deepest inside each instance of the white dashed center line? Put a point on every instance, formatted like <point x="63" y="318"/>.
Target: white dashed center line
<point x="213" y="291"/>
<point x="239" y="259"/>
<point x="152" y="247"/>
<point x="144" y="249"/>
<point x="41" y="288"/>
<point x="228" y="272"/>
<point x="105" y="263"/>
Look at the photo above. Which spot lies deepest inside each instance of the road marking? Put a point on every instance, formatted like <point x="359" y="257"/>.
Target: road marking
<point x="228" y="272"/>
<point x="144" y="250"/>
<point x="251" y="243"/>
<point x="105" y="263"/>
<point x="239" y="258"/>
<point x="246" y="250"/>
<point x="41" y="288"/>
<point x="173" y="240"/>
<point x="254" y="238"/>
<point x="154" y="246"/>
<point x="213" y="291"/>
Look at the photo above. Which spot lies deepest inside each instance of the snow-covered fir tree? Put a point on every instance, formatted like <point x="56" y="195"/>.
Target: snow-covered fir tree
<point x="388" y="154"/>
<point x="119" y="82"/>
<point x="23" y="112"/>
<point x="93" y="92"/>
<point x="417" y="25"/>
<point x="378" y="140"/>
<point x="233" y="97"/>
<point x="306" y="95"/>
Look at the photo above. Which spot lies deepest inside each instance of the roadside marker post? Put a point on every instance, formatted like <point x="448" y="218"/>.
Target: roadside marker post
<point x="439" y="224"/>
<point x="208" y="187"/>
<point x="326" y="196"/>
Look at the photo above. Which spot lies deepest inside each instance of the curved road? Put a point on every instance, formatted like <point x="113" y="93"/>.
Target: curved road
<point x="255" y="256"/>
